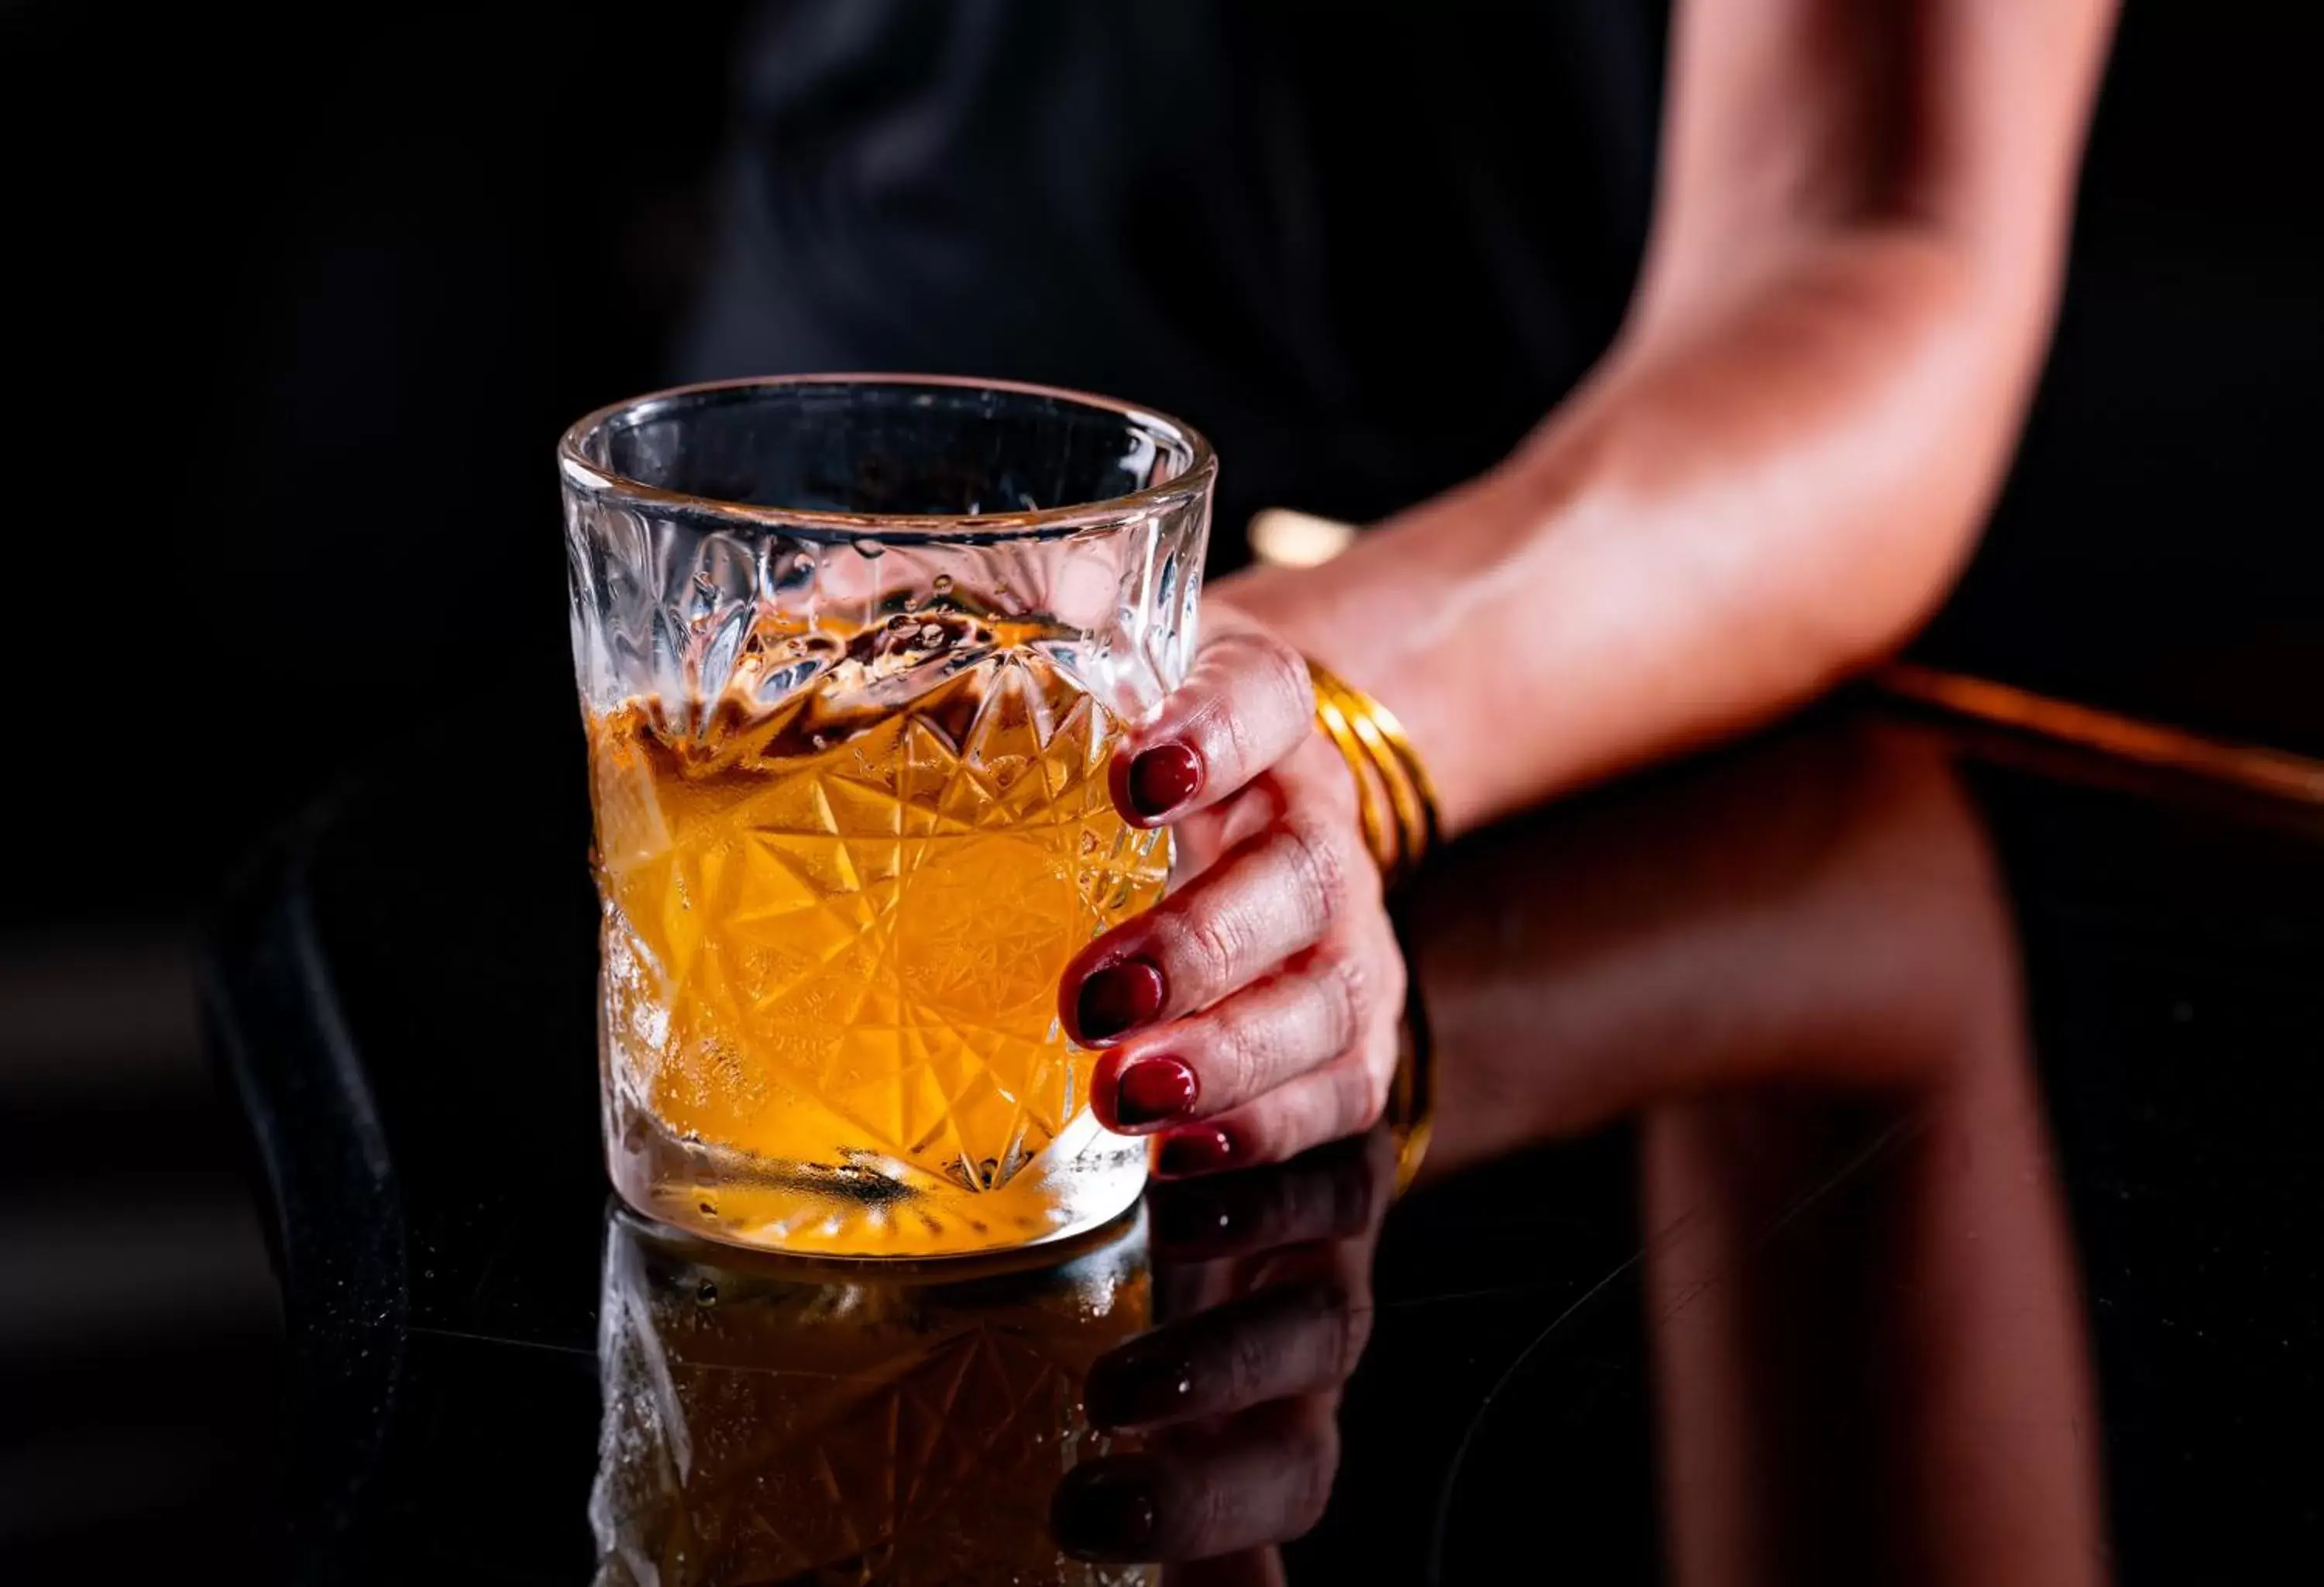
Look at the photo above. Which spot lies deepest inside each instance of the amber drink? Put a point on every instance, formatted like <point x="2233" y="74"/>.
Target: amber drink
<point x="768" y="1420"/>
<point x="849" y="732"/>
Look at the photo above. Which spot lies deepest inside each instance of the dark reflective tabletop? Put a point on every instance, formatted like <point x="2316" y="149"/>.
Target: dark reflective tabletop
<point x="1865" y="1155"/>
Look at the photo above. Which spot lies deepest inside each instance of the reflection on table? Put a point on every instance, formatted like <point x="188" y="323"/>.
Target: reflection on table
<point x="1793" y="969"/>
<point x="768" y="1420"/>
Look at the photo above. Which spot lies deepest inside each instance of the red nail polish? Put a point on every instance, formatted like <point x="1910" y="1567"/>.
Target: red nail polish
<point x="1153" y="1090"/>
<point x="1162" y="778"/>
<point x="1203" y="1149"/>
<point x="1116" y="997"/>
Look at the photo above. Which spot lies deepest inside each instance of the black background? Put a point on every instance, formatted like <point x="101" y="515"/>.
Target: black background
<point x="302" y="303"/>
<point x="299" y="302"/>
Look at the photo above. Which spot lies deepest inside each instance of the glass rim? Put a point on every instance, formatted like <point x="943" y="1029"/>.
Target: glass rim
<point x="897" y="528"/>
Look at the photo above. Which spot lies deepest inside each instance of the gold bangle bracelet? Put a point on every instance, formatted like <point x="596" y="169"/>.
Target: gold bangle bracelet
<point x="1386" y="769"/>
<point x="1390" y="836"/>
<point x="1411" y="1112"/>
<point x="1333" y="717"/>
<point x="1396" y="805"/>
<point x="1414" y="824"/>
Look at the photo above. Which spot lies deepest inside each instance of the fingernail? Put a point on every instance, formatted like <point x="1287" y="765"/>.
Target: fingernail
<point x="1103" y="1512"/>
<point x="1115" y="997"/>
<point x="1153" y="1090"/>
<point x="1130" y="1389"/>
<point x="1202" y="1150"/>
<point x="1162" y="777"/>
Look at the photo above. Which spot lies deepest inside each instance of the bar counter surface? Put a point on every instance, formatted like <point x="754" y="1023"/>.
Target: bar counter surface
<point x="1877" y="1152"/>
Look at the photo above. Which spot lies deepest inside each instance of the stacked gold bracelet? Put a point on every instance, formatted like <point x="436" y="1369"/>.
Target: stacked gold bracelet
<point x="1411" y="1111"/>
<point x="1397" y="805"/>
<point x="1395" y="801"/>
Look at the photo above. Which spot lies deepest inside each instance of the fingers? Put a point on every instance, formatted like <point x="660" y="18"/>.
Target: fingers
<point x="1251" y="1013"/>
<point x="1322" y="1002"/>
<point x="1263" y="1477"/>
<point x="1246" y="704"/>
<point x="1304" y="1058"/>
<point x="1334" y="1194"/>
<point x="1291" y="1339"/>
<point x="1344" y="1096"/>
<point x="1273" y="895"/>
<point x="1235" y="1401"/>
<point x="1260" y="1037"/>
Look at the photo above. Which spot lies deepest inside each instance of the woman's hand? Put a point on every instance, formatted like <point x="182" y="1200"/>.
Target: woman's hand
<point x="1253" y="1013"/>
<point x="1263" y="1305"/>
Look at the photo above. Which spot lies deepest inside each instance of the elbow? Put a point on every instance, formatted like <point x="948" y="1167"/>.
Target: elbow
<point x="1920" y="445"/>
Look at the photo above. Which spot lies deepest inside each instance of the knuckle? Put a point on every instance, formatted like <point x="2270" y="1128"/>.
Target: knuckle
<point x="1223" y="730"/>
<point x="1209" y="942"/>
<point x="1268" y="662"/>
<point x="1285" y="677"/>
<point x="1320" y="864"/>
<point x="1248" y="741"/>
<point x="1242" y="756"/>
<point x="1251" y="1360"/>
<point x="1245" y="1057"/>
<point x="1270" y="687"/>
<point x="1346" y="983"/>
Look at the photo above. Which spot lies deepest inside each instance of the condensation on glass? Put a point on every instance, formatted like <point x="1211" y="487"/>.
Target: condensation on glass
<point x="853" y="654"/>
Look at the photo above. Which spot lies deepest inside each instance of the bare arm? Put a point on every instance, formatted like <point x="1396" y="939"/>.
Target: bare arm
<point x="1778" y="469"/>
<point x="1769" y="480"/>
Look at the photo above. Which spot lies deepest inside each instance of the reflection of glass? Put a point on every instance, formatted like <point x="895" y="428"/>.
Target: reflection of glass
<point x="1793" y="968"/>
<point x="767" y="1421"/>
<point x="854" y="663"/>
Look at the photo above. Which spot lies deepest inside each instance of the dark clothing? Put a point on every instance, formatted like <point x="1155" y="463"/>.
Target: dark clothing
<point x="1364" y="247"/>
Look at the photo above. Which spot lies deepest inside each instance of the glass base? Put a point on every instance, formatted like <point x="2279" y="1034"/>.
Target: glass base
<point x="870" y="1206"/>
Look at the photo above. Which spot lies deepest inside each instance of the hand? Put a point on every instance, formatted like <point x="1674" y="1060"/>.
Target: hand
<point x="1253" y="1013"/>
<point x="1263" y="1283"/>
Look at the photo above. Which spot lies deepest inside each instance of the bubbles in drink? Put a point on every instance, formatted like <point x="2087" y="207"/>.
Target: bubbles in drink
<point x="857" y="1012"/>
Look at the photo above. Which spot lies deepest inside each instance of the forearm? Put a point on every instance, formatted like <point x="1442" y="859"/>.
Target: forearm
<point x="1715" y="527"/>
<point x="1776" y="470"/>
